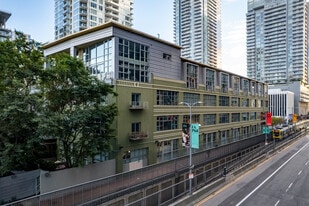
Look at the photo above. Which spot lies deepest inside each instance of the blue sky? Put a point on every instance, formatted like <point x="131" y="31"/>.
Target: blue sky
<point x="155" y="17"/>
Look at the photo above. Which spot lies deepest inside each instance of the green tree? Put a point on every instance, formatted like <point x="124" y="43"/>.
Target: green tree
<point x="76" y="110"/>
<point x="21" y="64"/>
<point x="277" y="120"/>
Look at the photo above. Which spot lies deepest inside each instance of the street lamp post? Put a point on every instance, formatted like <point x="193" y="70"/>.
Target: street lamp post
<point x="190" y="152"/>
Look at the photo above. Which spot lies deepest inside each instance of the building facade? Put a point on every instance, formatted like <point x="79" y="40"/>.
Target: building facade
<point x="281" y="103"/>
<point x="277" y="45"/>
<point x="151" y="79"/>
<point x="4" y="32"/>
<point x="197" y="29"/>
<point x="76" y="15"/>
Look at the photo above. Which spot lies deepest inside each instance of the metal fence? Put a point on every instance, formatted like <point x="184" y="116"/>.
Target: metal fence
<point x="114" y="187"/>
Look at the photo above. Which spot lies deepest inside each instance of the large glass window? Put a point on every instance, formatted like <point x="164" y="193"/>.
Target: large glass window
<point x="210" y="80"/>
<point x="210" y="100"/>
<point x="224" y="101"/>
<point x="98" y="59"/>
<point x="191" y="97"/>
<point x="167" y="97"/>
<point x="195" y="118"/>
<point x="209" y="119"/>
<point x="224" y="118"/>
<point x="133" y="61"/>
<point x="167" y="122"/>
<point x="192" y="73"/>
<point x="224" y="82"/>
<point x="235" y="117"/>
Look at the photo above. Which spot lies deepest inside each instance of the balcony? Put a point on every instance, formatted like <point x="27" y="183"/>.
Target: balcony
<point x="138" y="135"/>
<point x="138" y="105"/>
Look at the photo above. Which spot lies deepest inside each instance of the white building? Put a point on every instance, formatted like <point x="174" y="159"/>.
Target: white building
<point x="281" y="103"/>
<point x="197" y="28"/>
<point x="76" y="15"/>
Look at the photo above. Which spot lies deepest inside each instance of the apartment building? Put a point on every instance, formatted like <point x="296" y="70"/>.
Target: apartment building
<point x="277" y="46"/>
<point x="76" y="15"/>
<point x="197" y="28"/>
<point x="152" y="79"/>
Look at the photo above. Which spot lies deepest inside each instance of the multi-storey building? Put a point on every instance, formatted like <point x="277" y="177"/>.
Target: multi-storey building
<point x="76" y="15"/>
<point x="281" y="103"/>
<point x="277" y="46"/>
<point x="197" y="28"/>
<point x="4" y="32"/>
<point x="152" y="79"/>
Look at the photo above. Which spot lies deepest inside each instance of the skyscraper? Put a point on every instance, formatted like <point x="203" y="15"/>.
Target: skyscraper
<point x="277" y="47"/>
<point x="277" y="41"/>
<point x="197" y="28"/>
<point x="4" y="32"/>
<point x="76" y="15"/>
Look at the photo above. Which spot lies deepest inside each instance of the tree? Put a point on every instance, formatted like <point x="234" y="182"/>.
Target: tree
<point x="76" y="110"/>
<point x="21" y="64"/>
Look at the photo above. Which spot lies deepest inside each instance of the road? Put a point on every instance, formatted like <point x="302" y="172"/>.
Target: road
<point x="282" y="180"/>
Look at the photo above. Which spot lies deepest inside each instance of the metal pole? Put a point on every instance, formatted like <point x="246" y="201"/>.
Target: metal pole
<point x="190" y="171"/>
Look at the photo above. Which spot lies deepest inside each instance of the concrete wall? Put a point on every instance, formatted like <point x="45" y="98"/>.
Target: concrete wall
<point x="19" y="186"/>
<point x="56" y="180"/>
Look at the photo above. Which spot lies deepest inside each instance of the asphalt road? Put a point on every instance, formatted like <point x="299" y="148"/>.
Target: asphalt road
<point x="282" y="180"/>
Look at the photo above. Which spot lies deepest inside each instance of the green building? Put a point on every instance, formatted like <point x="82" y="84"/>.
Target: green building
<point x="152" y="79"/>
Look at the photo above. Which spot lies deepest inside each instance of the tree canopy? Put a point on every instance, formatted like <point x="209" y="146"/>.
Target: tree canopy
<point x="62" y="101"/>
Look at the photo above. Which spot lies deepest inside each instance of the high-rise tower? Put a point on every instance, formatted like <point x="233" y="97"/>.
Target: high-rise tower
<point x="4" y="32"/>
<point x="76" y="15"/>
<point x="197" y="28"/>
<point x="277" y="47"/>
<point x="277" y="41"/>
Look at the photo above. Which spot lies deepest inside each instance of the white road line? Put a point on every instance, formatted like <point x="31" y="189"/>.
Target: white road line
<point x="307" y="162"/>
<point x="260" y="185"/>
<point x="300" y="172"/>
<point x="287" y="189"/>
<point x="277" y="202"/>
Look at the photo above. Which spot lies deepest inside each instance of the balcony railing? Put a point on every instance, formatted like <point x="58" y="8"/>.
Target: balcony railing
<point x="138" y="135"/>
<point x="136" y="105"/>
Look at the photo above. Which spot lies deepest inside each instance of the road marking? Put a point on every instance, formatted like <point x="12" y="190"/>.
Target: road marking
<point x="260" y="185"/>
<point x="277" y="202"/>
<point x="300" y="172"/>
<point x="289" y="187"/>
<point x="307" y="162"/>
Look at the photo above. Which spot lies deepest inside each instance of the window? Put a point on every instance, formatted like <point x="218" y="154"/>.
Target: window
<point x="235" y="102"/>
<point x="246" y="86"/>
<point x="252" y="116"/>
<point x="192" y="73"/>
<point x="223" y="118"/>
<point x="133" y="61"/>
<point x="167" y="122"/>
<point x="245" y="102"/>
<point x="195" y="118"/>
<point x="191" y="98"/>
<point x="167" y="56"/>
<point x="136" y="99"/>
<point x="224" y="82"/>
<point x="224" y="101"/>
<point x="210" y="80"/>
<point x="98" y="59"/>
<point x="136" y="127"/>
<point x="210" y="100"/>
<point x="245" y="116"/>
<point x="236" y="85"/>
<point x="209" y="119"/>
<point x="167" y="97"/>
<point x="236" y="117"/>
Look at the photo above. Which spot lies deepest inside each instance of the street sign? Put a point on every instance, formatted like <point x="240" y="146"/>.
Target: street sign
<point x="268" y="119"/>
<point x="195" y="135"/>
<point x="266" y="130"/>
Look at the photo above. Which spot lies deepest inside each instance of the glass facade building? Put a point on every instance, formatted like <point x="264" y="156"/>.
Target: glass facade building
<point x="76" y="15"/>
<point x="277" y="41"/>
<point x="197" y="28"/>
